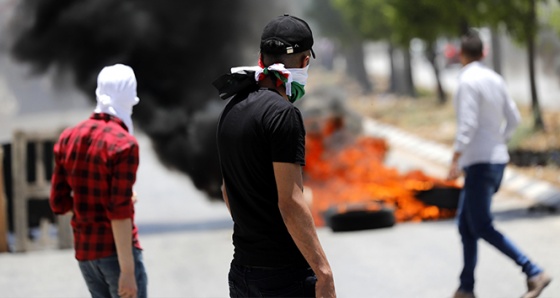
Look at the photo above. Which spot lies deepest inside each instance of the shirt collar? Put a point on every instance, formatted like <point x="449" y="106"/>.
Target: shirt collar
<point x="108" y="117"/>
<point x="471" y="65"/>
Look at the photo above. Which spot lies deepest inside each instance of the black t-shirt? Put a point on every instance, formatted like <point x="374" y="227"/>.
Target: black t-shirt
<point x="254" y="131"/>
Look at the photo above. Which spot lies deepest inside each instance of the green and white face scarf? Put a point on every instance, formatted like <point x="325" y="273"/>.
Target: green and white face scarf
<point x="294" y="79"/>
<point x="298" y="83"/>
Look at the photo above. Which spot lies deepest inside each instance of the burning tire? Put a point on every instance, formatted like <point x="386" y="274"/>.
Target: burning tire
<point x="359" y="216"/>
<point x="441" y="197"/>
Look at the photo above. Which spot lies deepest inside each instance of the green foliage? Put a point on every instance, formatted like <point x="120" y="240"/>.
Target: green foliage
<point x="401" y="20"/>
<point x="368" y="17"/>
<point x="331" y="22"/>
<point x="521" y="133"/>
<point x="549" y="15"/>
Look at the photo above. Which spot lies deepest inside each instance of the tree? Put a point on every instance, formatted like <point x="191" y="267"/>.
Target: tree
<point x="427" y="20"/>
<point x="333" y="25"/>
<point x="371" y="20"/>
<point x="399" y="21"/>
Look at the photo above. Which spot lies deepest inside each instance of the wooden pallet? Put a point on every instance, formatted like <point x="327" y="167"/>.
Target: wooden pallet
<point x="3" y="211"/>
<point x="23" y="191"/>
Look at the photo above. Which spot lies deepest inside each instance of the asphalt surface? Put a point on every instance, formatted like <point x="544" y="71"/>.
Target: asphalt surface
<point x="187" y="246"/>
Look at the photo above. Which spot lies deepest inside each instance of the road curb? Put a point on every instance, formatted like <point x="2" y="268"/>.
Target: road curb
<point x="542" y="193"/>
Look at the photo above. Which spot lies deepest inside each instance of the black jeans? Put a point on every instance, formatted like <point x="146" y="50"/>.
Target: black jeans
<point x="246" y="281"/>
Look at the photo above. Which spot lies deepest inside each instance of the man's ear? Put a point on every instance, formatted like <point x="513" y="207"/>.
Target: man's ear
<point x="261" y="62"/>
<point x="305" y="61"/>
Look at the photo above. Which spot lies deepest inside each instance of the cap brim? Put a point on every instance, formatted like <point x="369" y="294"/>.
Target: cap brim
<point x="312" y="53"/>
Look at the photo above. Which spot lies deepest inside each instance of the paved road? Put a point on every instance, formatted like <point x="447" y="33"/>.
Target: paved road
<point x="187" y="243"/>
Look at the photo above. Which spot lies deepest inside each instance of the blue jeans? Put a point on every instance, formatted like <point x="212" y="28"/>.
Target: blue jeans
<point x="245" y="281"/>
<point x="102" y="276"/>
<point x="475" y="221"/>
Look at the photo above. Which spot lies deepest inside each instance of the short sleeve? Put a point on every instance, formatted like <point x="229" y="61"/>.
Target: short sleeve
<point x="287" y="136"/>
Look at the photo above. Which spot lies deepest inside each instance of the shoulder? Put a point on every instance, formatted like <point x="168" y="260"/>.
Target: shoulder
<point x="479" y="73"/>
<point x="116" y="136"/>
<point x="123" y="138"/>
<point x="271" y="96"/>
<point x="270" y="102"/>
<point x="74" y="131"/>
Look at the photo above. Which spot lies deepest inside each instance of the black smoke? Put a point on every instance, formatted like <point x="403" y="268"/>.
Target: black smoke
<point x="176" y="48"/>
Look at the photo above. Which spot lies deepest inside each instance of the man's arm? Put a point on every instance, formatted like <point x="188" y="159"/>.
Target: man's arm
<point x="122" y="233"/>
<point x="512" y="115"/>
<point x="454" y="170"/>
<point x="225" y="196"/>
<point x="120" y="212"/>
<point x="299" y="222"/>
<point x="60" y="198"/>
<point x="466" y="110"/>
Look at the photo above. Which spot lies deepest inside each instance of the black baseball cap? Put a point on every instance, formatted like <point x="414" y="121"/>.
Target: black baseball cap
<point x="290" y="35"/>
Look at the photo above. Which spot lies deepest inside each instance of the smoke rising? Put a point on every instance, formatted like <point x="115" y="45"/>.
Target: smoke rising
<point x="176" y="48"/>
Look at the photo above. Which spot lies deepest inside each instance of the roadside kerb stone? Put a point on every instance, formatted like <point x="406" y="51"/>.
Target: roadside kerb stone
<point x="543" y="193"/>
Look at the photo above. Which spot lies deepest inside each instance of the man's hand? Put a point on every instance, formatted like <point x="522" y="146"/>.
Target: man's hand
<point x="299" y="222"/>
<point x="127" y="285"/>
<point x="454" y="170"/>
<point x="324" y="288"/>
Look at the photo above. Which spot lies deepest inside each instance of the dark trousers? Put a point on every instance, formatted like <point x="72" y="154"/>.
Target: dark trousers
<point x="476" y="222"/>
<point x="246" y="281"/>
<point x="102" y="276"/>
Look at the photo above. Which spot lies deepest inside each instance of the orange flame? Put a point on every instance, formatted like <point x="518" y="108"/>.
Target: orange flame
<point x="356" y="174"/>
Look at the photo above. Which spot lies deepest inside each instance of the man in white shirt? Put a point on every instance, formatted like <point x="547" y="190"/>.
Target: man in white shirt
<point x="486" y="119"/>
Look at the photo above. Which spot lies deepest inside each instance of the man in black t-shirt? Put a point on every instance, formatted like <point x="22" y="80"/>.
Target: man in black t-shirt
<point x="261" y="143"/>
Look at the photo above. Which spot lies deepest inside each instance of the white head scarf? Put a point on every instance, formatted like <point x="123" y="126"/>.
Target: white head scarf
<point x="116" y="93"/>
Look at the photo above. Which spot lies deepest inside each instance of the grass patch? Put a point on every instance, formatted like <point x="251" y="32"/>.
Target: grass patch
<point x="519" y="138"/>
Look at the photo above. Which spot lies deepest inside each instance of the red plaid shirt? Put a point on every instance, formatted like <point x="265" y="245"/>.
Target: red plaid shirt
<point x="95" y="168"/>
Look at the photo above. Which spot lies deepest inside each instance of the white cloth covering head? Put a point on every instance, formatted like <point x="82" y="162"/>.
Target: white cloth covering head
<point x="116" y="93"/>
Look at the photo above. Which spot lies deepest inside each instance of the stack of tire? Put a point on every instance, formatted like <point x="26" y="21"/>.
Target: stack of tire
<point x="376" y="215"/>
<point x="444" y="197"/>
<point x="359" y="216"/>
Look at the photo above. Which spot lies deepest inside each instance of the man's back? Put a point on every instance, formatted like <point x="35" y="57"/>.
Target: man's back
<point x="254" y="132"/>
<point x="486" y="115"/>
<point x="98" y="160"/>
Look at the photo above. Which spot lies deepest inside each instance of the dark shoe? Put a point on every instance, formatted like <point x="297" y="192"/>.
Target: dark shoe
<point x="536" y="284"/>
<point x="463" y="294"/>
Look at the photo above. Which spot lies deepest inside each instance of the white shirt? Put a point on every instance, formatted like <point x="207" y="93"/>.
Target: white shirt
<point x="486" y="116"/>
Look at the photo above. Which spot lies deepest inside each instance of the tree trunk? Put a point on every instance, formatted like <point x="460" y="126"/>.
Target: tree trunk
<point x="464" y="26"/>
<point x="355" y="66"/>
<point x="432" y="55"/>
<point x="393" y="71"/>
<point x="408" y="80"/>
<point x="531" y="29"/>
<point x="496" y="50"/>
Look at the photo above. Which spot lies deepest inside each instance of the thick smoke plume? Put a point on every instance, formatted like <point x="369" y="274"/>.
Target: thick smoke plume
<point x="177" y="48"/>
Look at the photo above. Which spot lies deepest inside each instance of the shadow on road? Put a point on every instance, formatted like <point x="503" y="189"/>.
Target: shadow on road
<point x="161" y="228"/>
<point x="524" y="213"/>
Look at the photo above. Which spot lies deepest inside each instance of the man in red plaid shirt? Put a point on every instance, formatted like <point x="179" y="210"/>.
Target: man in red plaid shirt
<point x="95" y="169"/>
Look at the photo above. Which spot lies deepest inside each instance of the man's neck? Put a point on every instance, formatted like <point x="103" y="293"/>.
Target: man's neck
<point x="268" y="83"/>
<point x="471" y="60"/>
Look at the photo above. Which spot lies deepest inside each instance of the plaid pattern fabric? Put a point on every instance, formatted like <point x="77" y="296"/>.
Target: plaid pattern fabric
<point x="95" y="169"/>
